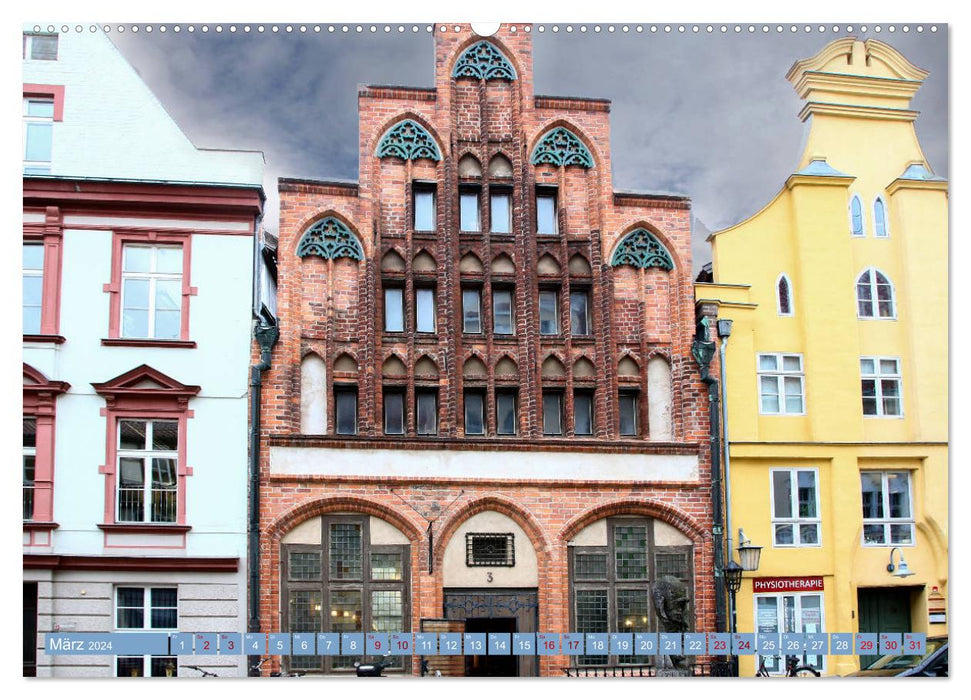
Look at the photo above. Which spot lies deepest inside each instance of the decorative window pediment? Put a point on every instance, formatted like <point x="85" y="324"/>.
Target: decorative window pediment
<point x="330" y="239"/>
<point x="408" y="140"/>
<point x="485" y="62"/>
<point x="143" y="385"/>
<point x="561" y="146"/>
<point x="640" y="248"/>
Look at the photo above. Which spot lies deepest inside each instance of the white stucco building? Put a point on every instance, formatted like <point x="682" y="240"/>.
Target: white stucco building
<point x="138" y="258"/>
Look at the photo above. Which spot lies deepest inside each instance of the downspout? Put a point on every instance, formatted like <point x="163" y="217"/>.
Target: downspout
<point x="266" y="336"/>
<point x="724" y="332"/>
<point x="703" y="350"/>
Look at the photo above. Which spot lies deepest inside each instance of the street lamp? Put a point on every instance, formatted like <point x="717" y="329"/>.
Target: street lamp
<point x="733" y="581"/>
<point x="748" y="553"/>
<point x="901" y="569"/>
<point x="749" y="556"/>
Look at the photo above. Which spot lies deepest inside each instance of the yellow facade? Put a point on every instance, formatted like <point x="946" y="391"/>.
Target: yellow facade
<point x="861" y="143"/>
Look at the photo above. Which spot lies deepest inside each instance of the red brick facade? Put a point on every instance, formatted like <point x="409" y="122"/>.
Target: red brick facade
<point x="334" y="308"/>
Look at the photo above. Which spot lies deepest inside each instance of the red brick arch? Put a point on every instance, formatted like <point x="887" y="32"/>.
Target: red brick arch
<point x="275" y="531"/>
<point x="519" y="514"/>
<point x="682" y="522"/>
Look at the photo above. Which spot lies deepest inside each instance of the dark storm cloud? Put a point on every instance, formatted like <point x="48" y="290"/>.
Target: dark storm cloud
<point x="706" y="115"/>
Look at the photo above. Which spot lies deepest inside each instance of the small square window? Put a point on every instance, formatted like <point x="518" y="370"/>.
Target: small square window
<point x="40" y="47"/>
<point x="880" y="383"/>
<point x="781" y="390"/>
<point x="490" y="549"/>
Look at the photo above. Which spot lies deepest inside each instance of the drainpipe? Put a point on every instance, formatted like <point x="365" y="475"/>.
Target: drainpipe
<point x="266" y="336"/>
<point x="724" y="333"/>
<point x="703" y="350"/>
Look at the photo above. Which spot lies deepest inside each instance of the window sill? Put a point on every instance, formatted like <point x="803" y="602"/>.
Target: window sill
<point x="41" y="338"/>
<point x="147" y="343"/>
<point x="153" y="528"/>
<point x="32" y="525"/>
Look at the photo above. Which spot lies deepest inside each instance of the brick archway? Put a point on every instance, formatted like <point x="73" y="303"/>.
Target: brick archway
<point x="682" y="522"/>
<point x="321" y="506"/>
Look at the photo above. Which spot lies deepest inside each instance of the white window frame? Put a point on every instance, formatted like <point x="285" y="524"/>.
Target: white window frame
<point x="887" y="521"/>
<point x="886" y="217"/>
<point x="874" y="298"/>
<point x="39" y="167"/>
<point x="146" y="625"/>
<point x="776" y="666"/>
<point x="878" y="377"/>
<point x="780" y="375"/>
<point x="849" y="214"/>
<point x="153" y="277"/>
<point x="778" y="299"/>
<point x="795" y="521"/>
<point x="147" y="456"/>
<point x="32" y="272"/>
<point x="29" y="45"/>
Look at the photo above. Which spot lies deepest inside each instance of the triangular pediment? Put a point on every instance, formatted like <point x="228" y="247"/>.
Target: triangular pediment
<point x="147" y="380"/>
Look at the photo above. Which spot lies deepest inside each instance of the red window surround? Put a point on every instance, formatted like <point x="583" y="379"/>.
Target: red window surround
<point x="119" y="239"/>
<point x="51" y="92"/>
<point x="40" y="402"/>
<point x="144" y="393"/>
<point x="51" y="234"/>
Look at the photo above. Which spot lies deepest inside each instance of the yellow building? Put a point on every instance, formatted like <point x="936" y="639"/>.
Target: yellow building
<point x="836" y="366"/>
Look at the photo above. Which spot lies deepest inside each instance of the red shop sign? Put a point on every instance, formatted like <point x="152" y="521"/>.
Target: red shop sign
<point x="777" y="584"/>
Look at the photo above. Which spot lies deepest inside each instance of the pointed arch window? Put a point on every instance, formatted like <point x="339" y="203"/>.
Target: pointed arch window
<point x="874" y="295"/>
<point x="880" y="229"/>
<point x="640" y="248"/>
<point x="330" y="238"/>
<point x="561" y="147"/>
<point x="784" y="295"/>
<point x="856" y="216"/>
<point x="408" y="140"/>
<point x="484" y="61"/>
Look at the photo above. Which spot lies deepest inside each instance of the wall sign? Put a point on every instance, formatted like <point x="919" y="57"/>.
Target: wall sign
<point x="779" y="584"/>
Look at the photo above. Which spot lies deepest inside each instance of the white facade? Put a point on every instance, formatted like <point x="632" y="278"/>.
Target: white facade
<point x="113" y="130"/>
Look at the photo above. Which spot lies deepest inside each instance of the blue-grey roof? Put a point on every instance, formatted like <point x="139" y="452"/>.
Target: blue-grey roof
<point x="917" y="171"/>
<point x="821" y="168"/>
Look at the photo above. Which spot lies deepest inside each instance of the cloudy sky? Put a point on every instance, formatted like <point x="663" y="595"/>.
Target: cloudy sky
<point x="706" y="115"/>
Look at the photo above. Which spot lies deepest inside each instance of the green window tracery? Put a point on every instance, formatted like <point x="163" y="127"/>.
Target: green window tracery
<point x="560" y="146"/>
<point x="330" y="239"/>
<point x="410" y="141"/>
<point x="640" y="248"/>
<point x="485" y="62"/>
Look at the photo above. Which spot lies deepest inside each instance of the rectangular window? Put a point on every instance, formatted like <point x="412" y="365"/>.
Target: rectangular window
<point x="426" y="412"/>
<point x="425" y="310"/>
<point x="628" y="412"/>
<point x="546" y="212"/>
<point x="579" y="313"/>
<point x="424" y="198"/>
<point x="490" y="549"/>
<point x="151" y="291"/>
<point x="30" y="457"/>
<point x="345" y="410"/>
<point x="790" y="612"/>
<point x="502" y="323"/>
<point x="583" y="413"/>
<point x="38" y="119"/>
<point x="506" y="418"/>
<point x="880" y="380"/>
<point x="781" y="384"/>
<point x="148" y="458"/>
<point x="394" y="310"/>
<point x="500" y="211"/>
<point x="549" y="313"/>
<point x="138" y="608"/>
<point x="474" y="413"/>
<point x="33" y="280"/>
<point x="888" y="516"/>
<point x="469" y="209"/>
<point x="40" y="47"/>
<point x="394" y="412"/>
<point x="552" y="413"/>
<point x="795" y="508"/>
<point x="471" y="311"/>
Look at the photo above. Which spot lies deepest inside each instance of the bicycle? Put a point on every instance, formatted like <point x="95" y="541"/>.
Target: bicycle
<point x="273" y="674"/>
<point x="793" y="668"/>
<point x="204" y="672"/>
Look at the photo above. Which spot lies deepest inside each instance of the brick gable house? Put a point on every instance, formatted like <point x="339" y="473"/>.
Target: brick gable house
<point x="482" y="412"/>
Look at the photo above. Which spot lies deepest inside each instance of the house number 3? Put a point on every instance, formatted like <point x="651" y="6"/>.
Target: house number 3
<point x="488" y="577"/>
